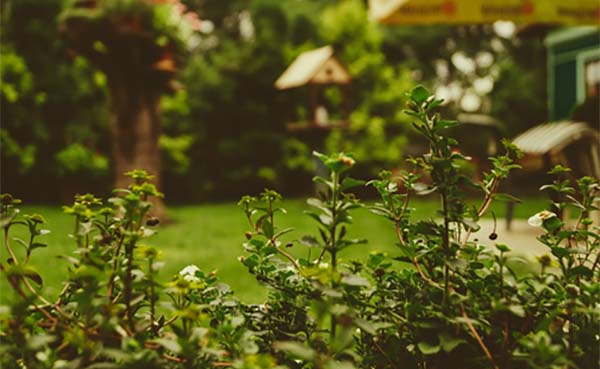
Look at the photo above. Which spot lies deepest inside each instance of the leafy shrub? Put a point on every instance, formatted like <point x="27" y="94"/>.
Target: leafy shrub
<point x="442" y="300"/>
<point x="77" y="159"/>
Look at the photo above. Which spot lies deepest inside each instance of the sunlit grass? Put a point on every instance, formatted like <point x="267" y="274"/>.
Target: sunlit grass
<point x="211" y="236"/>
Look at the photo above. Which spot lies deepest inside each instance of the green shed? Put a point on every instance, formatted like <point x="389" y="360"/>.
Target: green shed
<point x="573" y="69"/>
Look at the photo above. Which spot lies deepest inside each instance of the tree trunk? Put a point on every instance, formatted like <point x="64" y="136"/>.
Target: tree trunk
<point x="135" y="128"/>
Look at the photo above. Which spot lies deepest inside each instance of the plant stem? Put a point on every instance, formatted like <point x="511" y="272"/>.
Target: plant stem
<point x="478" y="338"/>
<point x="127" y="288"/>
<point x="332" y="236"/>
<point x="9" y="248"/>
<point x="111" y="282"/>
<point x="334" y="196"/>
<point x="152" y="297"/>
<point x="446" y="246"/>
<point x="285" y="254"/>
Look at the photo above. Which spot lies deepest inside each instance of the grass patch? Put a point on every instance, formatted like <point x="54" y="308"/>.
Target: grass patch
<point x="211" y="237"/>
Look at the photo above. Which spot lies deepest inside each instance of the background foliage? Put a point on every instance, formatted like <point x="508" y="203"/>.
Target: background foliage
<point x="54" y="104"/>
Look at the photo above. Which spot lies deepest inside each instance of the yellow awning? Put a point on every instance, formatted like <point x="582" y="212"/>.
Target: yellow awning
<point x="568" y="12"/>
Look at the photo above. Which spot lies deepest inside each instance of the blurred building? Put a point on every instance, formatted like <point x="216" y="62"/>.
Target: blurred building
<point x="573" y="71"/>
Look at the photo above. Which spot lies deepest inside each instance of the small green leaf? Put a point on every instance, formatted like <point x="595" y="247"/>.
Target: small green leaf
<point x="446" y="124"/>
<point x="33" y="275"/>
<point x="170" y="345"/>
<point x="427" y="228"/>
<point x="295" y="349"/>
<point x="457" y="264"/>
<point x="419" y="94"/>
<point x="421" y="188"/>
<point x="267" y="228"/>
<point x="39" y="341"/>
<point x="251" y="261"/>
<point x="476" y="265"/>
<point x="502" y="247"/>
<point x="37" y="245"/>
<point x="283" y="231"/>
<point x="20" y="242"/>
<point x="325" y="220"/>
<point x="355" y="280"/>
<point x="560" y="252"/>
<point x="237" y="320"/>
<point x="582" y="270"/>
<point x="449" y="342"/>
<point x="505" y="197"/>
<point x="517" y="310"/>
<point x="471" y="225"/>
<point x="268" y="250"/>
<point x="349" y="183"/>
<point x="5" y="220"/>
<point x="428" y="349"/>
<point x="334" y="364"/>
<point x="552" y="224"/>
<point x="309" y="241"/>
<point x="104" y="366"/>
<point x="365" y="326"/>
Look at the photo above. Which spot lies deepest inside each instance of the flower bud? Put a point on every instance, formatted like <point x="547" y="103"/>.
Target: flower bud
<point x="347" y="161"/>
<point x="6" y="199"/>
<point x="545" y="260"/>
<point x="572" y="290"/>
<point x="152" y="221"/>
<point x="345" y="320"/>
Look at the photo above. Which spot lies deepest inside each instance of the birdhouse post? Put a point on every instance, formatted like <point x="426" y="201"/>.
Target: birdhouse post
<point x="318" y="69"/>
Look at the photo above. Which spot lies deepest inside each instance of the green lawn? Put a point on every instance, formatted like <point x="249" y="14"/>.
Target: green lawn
<point x="211" y="237"/>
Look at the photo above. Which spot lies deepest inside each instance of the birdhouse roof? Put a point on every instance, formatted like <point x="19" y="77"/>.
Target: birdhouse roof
<point x="319" y="66"/>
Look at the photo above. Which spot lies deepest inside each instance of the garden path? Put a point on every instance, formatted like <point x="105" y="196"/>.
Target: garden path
<point x="521" y="238"/>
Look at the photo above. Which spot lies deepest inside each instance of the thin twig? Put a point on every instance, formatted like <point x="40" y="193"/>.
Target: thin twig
<point x="284" y="253"/>
<point x="174" y="358"/>
<point x="113" y="274"/>
<point x="45" y="301"/>
<point x="384" y="354"/>
<point x="478" y="338"/>
<point x="484" y="206"/>
<point x="10" y="250"/>
<point x="414" y="259"/>
<point x="18" y="289"/>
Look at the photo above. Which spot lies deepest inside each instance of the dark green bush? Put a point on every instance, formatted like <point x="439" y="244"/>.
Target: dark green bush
<point x="442" y="300"/>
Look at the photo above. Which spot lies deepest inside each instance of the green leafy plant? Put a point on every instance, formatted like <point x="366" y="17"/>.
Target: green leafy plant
<point x="442" y="299"/>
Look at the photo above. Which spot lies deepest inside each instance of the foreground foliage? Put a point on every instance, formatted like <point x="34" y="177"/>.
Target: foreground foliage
<point x="442" y="300"/>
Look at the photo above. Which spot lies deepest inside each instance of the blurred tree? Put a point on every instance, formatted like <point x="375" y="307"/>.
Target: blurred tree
<point x="235" y="115"/>
<point x="222" y="132"/>
<point x="378" y="129"/>
<point x="135" y="43"/>
<point x="49" y="100"/>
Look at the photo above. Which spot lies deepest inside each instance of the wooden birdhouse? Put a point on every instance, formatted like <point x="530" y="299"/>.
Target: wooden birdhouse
<point x="318" y="69"/>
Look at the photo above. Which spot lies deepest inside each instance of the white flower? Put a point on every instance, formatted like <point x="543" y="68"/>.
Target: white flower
<point x="189" y="273"/>
<point x="323" y="265"/>
<point x="537" y="220"/>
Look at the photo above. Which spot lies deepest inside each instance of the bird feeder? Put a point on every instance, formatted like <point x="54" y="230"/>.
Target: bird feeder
<point x="318" y="69"/>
